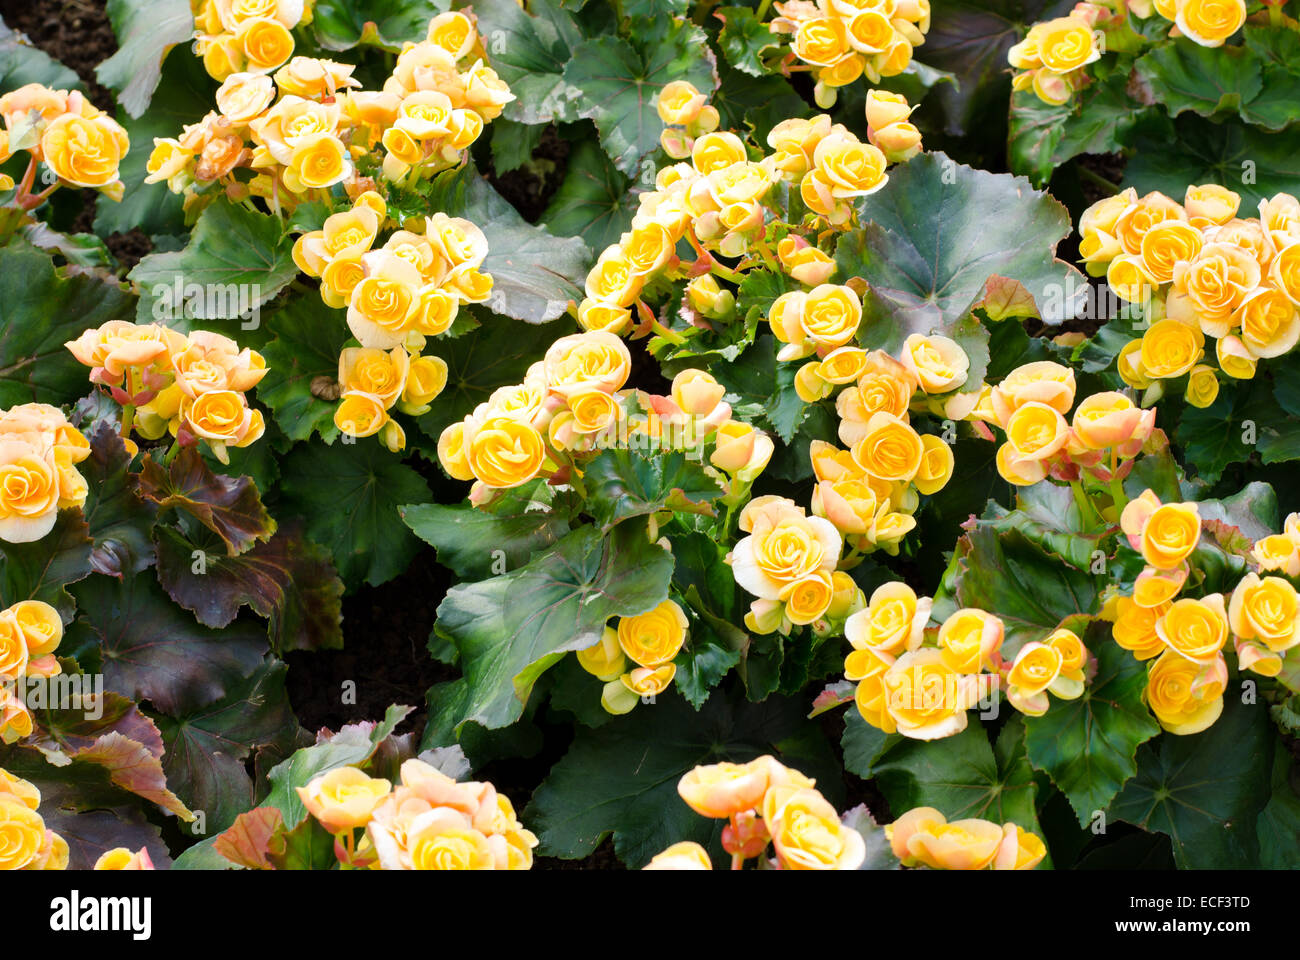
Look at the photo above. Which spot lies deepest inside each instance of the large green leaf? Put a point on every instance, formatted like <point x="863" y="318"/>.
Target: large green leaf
<point x="534" y="273"/>
<point x="963" y="776"/>
<point x="1205" y="790"/>
<point x="1215" y="436"/>
<point x="529" y="51"/>
<point x="289" y="580"/>
<point x="22" y="63"/>
<point x="472" y="540"/>
<point x="863" y="744"/>
<point x="343" y="24"/>
<point x="1278" y="826"/>
<point x="240" y="258"/>
<point x="349" y="494"/>
<point x="1048" y="516"/>
<point x="593" y="201"/>
<point x="207" y="745"/>
<point x="624" y="483"/>
<point x="620" y="80"/>
<point x="1170" y="154"/>
<point x="744" y="39"/>
<point x="622" y="778"/>
<point x="1210" y="80"/>
<point x="184" y="96"/>
<point x="939" y="231"/>
<point x="43" y="308"/>
<point x="153" y="650"/>
<point x="146" y="30"/>
<point x="1087" y="746"/>
<point x="118" y="518"/>
<point x="510" y="628"/>
<point x="308" y="339"/>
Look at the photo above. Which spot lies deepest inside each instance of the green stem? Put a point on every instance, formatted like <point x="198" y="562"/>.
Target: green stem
<point x="1087" y="512"/>
<point x="128" y="419"/>
<point x="1098" y="180"/>
<point x="672" y="336"/>
<point x="761" y="12"/>
<point x="171" y="453"/>
<point x="1275" y="16"/>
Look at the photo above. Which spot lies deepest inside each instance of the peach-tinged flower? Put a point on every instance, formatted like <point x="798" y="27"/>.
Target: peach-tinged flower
<point x="123" y="858"/>
<point x="687" y="855"/>
<point x="344" y="798"/>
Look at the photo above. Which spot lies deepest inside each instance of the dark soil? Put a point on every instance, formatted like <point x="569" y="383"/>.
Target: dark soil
<point x="530" y="188"/>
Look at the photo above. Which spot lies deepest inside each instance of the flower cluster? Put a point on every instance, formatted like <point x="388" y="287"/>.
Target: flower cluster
<point x="1198" y="270"/>
<point x="428" y="822"/>
<point x="39" y="451"/>
<point x="1185" y="637"/>
<point x="650" y="641"/>
<point x="323" y="130"/>
<point x="686" y="114"/>
<point x="25" y="842"/>
<point x="191" y="386"/>
<point x="1100" y="440"/>
<point x="235" y="36"/>
<point x="79" y="143"/>
<point x="571" y="406"/>
<point x="924" y="837"/>
<point x="30" y="632"/>
<point x="764" y="802"/>
<point x="717" y="203"/>
<point x="1206" y="22"/>
<point x="920" y="682"/>
<point x="1052" y="57"/>
<point x="842" y="40"/>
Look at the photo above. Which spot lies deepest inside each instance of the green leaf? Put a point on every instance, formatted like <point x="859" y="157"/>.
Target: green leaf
<point x="1042" y="136"/>
<point x="146" y="30"/>
<point x="1215" y="436"/>
<point x="1210" y="80"/>
<point x="1278" y="826"/>
<point x="1047" y="515"/>
<point x="510" y="628"/>
<point x="207" y="745"/>
<point x="495" y="354"/>
<point x="534" y="274"/>
<point x="1087" y="746"/>
<point x="40" y="570"/>
<point x="622" y="778"/>
<point x="154" y="651"/>
<point x="344" y="24"/>
<point x="939" y="231"/>
<point x="701" y="665"/>
<point x="1033" y="595"/>
<point x="963" y="776"/>
<point x="620" y="82"/>
<point x="744" y="38"/>
<point x="528" y="51"/>
<point x="228" y="506"/>
<point x="43" y="308"/>
<point x="288" y="580"/>
<point x="1167" y="155"/>
<point x="1205" y="790"/>
<point x="624" y="483"/>
<point x="349" y="494"/>
<point x="880" y="853"/>
<point x="593" y="201"/>
<point x="1252" y="510"/>
<point x="308" y="339"/>
<point x="308" y="846"/>
<point x="863" y="744"/>
<point x="119" y="520"/>
<point x="352" y="745"/>
<point x="184" y="96"/>
<point x="240" y="259"/>
<point x="517" y="524"/>
<point x="22" y="63"/>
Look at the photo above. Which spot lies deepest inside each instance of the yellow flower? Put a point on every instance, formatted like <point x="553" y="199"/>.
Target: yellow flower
<point x="1019" y="850"/>
<point x="679" y="103"/>
<point x="1165" y="534"/>
<point x="1216" y="282"/>
<point x="1210" y="204"/>
<point x="1210" y="22"/>
<point x="741" y="450"/>
<point x="597" y="360"/>
<point x="1270" y="323"/>
<point x="29" y="492"/>
<point x="937" y="464"/>
<point x="379" y="373"/>
<point x="807" y="833"/>
<point x="1265" y="609"/>
<point x="1135" y="628"/>
<point x="1167" y="244"/>
<point x="848" y="167"/>
<point x="123" y="858"/>
<point x="893" y="621"/>
<point x="969" y="639"/>
<point x="649" y="681"/>
<point x="343" y="798"/>
<point x="926" y="698"/>
<point x="687" y="855"/>
<point x="22" y="834"/>
<point x="384" y="301"/>
<point x="783" y="548"/>
<point x="1105" y="420"/>
<point x="318" y="161"/>
<point x="923" y="835"/>
<point x="604" y="659"/>
<point x="1042" y="381"/>
<point x="1065" y="44"/>
<point x="505" y="453"/>
<point x="453" y="452"/>
<point x="716" y="151"/>
<point x="84" y="151"/>
<point x="40" y="624"/>
<point x="653" y="638"/>
<point x="890" y="449"/>
<point x="822" y="41"/>
<point x="939" y="364"/>
<point x="454" y="32"/>
<point x="265" y="43"/>
<point x="722" y="790"/>
<point x="223" y="416"/>
<point x="1170" y="348"/>
<point x="1185" y="696"/>
<point x="360" y="415"/>
<point x="1202" y="386"/>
